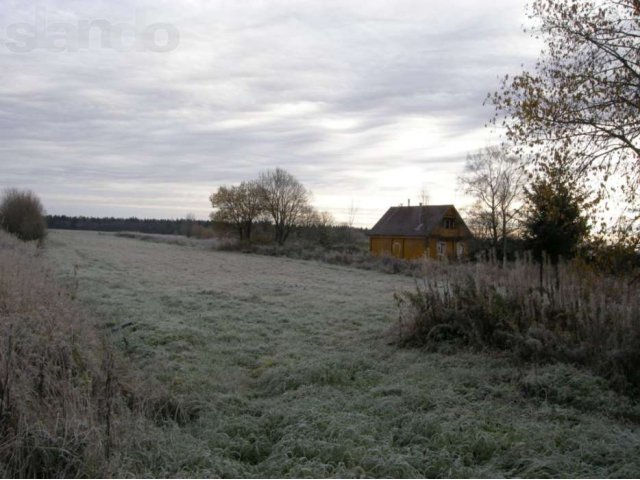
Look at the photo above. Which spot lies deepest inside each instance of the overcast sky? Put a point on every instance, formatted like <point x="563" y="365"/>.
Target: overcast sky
<point x="365" y="101"/>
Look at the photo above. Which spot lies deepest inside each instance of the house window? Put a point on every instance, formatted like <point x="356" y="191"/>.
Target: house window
<point x="460" y="249"/>
<point x="449" y="223"/>
<point x="442" y="249"/>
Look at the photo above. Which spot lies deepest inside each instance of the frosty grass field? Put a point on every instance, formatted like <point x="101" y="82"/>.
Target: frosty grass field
<point x="288" y="369"/>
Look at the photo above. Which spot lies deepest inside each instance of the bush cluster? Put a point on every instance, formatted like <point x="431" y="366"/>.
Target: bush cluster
<point x="22" y="214"/>
<point x="347" y="254"/>
<point x="572" y="314"/>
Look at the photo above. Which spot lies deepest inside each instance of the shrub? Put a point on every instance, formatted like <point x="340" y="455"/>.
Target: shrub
<point x="22" y="214"/>
<point x="205" y="233"/>
<point x="340" y="254"/>
<point x="576" y="315"/>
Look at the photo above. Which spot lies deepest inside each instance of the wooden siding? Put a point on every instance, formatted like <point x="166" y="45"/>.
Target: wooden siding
<point x="380" y="245"/>
<point x="400" y="247"/>
<point x="411" y="248"/>
<point x="414" y="248"/>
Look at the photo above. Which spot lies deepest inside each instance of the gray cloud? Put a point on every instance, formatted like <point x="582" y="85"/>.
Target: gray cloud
<point x="349" y="96"/>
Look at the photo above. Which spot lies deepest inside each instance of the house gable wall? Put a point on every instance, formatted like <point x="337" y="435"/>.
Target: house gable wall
<point x="460" y="231"/>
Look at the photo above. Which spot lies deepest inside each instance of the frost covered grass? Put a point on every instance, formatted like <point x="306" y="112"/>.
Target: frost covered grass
<point x="282" y="367"/>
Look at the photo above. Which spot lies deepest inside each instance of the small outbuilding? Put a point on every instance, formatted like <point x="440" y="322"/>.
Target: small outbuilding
<point x="434" y="231"/>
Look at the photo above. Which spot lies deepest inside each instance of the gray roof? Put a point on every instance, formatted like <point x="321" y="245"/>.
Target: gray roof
<point x="412" y="221"/>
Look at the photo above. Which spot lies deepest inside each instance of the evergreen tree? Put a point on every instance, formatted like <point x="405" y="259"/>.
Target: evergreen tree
<point x="555" y="223"/>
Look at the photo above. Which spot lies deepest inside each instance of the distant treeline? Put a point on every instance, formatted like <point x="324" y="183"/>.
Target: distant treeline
<point x="327" y="234"/>
<point x="133" y="224"/>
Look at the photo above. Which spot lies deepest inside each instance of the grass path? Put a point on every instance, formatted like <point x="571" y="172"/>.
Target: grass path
<point x="290" y="366"/>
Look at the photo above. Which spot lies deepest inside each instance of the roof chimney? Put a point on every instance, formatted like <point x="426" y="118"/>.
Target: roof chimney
<point x="408" y="202"/>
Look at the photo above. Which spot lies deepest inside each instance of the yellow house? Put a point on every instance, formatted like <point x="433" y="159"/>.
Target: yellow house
<point x="435" y="231"/>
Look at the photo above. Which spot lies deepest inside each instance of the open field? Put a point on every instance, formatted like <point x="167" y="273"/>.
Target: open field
<point x="285" y="368"/>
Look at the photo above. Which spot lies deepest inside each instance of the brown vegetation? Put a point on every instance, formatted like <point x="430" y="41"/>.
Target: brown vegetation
<point x="68" y="407"/>
<point x="577" y="315"/>
<point x="56" y="376"/>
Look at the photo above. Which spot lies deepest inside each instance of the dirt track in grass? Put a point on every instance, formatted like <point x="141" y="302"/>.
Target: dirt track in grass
<point x="290" y="367"/>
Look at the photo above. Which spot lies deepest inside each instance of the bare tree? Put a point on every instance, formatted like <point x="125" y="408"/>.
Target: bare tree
<point x="239" y="205"/>
<point x="495" y="179"/>
<point x="352" y="213"/>
<point x="423" y="196"/>
<point x="479" y="221"/>
<point x="188" y="225"/>
<point x="309" y="217"/>
<point x="325" y="219"/>
<point x="284" y="199"/>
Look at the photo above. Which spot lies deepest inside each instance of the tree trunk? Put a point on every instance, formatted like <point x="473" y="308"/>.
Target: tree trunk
<point x="248" y="230"/>
<point x="494" y="228"/>
<point x="541" y="273"/>
<point x="504" y="243"/>
<point x="279" y="233"/>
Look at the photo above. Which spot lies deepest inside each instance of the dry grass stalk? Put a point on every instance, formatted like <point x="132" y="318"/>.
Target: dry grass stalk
<point x="52" y="381"/>
<point x="574" y="315"/>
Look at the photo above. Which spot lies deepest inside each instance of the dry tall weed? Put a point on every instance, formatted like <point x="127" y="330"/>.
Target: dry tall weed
<point x="56" y="395"/>
<point x="572" y="314"/>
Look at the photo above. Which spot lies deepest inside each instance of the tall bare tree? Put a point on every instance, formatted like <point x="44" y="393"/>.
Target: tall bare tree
<point x="423" y="196"/>
<point x="284" y="199"/>
<point x="188" y="226"/>
<point x="325" y="219"/>
<point x="352" y="213"/>
<point x="495" y="179"/>
<point x="239" y="205"/>
<point x="309" y="217"/>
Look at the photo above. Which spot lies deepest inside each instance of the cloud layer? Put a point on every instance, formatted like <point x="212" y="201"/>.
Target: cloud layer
<point x="364" y="101"/>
